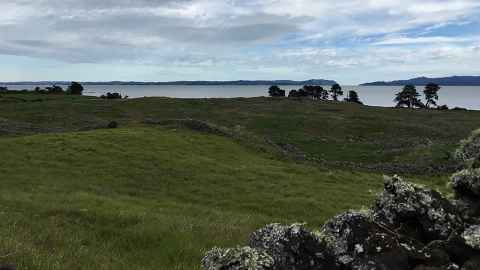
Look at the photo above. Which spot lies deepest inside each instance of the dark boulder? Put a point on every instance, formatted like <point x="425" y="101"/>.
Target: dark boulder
<point x="293" y="247"/>
<point x="415" y="212"/>
<point x="362" y="243"/>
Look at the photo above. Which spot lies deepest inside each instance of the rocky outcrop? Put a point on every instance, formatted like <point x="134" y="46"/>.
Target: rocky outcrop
<point x="419" y="213"/>
<point x="408" y="228"/>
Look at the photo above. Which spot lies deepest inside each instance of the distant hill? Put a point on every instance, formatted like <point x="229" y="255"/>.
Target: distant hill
<point x="241" y="82"/>
<point x="447" y="81"/>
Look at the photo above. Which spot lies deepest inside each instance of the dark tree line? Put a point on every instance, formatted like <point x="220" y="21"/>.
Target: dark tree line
<point x="75" y="88"/>
<point x="316" y="92"/>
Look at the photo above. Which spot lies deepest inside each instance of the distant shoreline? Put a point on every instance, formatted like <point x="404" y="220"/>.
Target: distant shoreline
<point x="200" y="83"/>
<point x="422" y="81"/>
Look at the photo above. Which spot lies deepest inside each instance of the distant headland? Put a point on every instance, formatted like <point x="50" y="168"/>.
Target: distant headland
<point x="239" y="82"/>
<point x="445" y="81"/>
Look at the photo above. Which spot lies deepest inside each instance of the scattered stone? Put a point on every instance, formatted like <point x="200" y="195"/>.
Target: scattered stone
<point x="293" y="247"/>
<point x="418" y="213"/>
<point x="113" y="124"/>
<point x="244" y="258"/>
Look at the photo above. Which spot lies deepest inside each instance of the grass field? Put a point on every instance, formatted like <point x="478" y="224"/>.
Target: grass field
<point x="76" y="195"/>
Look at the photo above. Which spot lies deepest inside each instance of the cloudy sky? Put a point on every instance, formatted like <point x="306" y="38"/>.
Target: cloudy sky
<point x="351" y="41"/>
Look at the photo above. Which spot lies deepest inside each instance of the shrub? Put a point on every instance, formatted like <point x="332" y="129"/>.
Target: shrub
<point x="111" y="96"/>
<point x="55" y="89"/>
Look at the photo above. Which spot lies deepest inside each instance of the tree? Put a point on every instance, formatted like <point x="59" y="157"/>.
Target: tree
<point x="431" y="94"/>
<point x="336" y="91"/>
<point x="353" y="97"/>
<point x="275" y="91"/>
<point x="408" y="97"/>
<point x="3" y="89"/>
<point x="75" y="89"/>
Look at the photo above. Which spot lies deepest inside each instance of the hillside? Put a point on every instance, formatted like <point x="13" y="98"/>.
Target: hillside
<point x="445" y="81"/>
<point x="160" y="190"/>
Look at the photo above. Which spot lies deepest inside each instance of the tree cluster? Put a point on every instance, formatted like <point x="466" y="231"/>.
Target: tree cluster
<point x="316" y="92"/>
<point x="410" y="98"/>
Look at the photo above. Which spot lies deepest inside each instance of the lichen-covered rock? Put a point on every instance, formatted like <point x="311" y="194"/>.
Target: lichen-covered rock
<point x="361" y="243"/>
<point x="472" y="236"/>
<point x="293" y="247"/>
<point x="469" y="151"/>
<point x="416" y="212"/>
<point x="244" y="258"/>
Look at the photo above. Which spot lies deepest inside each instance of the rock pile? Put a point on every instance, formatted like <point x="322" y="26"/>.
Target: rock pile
<point x="408" y="228"/>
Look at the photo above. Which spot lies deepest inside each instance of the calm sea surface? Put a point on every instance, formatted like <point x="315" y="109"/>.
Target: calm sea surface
<point x="453" y="96"/>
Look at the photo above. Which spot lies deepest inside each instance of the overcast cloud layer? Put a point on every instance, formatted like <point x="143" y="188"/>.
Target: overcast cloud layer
<point x="351" y="41"/>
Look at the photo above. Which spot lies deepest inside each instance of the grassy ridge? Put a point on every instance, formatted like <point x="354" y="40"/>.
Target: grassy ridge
<point x="383" y="139"/>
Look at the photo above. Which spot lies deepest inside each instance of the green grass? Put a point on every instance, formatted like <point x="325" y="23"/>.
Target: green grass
<point x="78" y="196"/>
<point x="332" y="133"/>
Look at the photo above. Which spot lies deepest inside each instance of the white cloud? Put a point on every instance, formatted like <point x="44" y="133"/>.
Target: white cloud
<point x="237" y="38"/>
<point x="425" y="40"/>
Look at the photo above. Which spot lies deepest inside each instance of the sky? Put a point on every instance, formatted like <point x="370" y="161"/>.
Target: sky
<point x="350" y="41"/>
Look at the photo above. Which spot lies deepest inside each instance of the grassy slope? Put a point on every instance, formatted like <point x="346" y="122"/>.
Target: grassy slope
<point x="155" y="198"/>
<point x="151" y="198"/>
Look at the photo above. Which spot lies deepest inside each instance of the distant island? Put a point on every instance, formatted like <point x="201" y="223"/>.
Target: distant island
<point x="445" y="81"/>
<point x="240" y="82"/>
